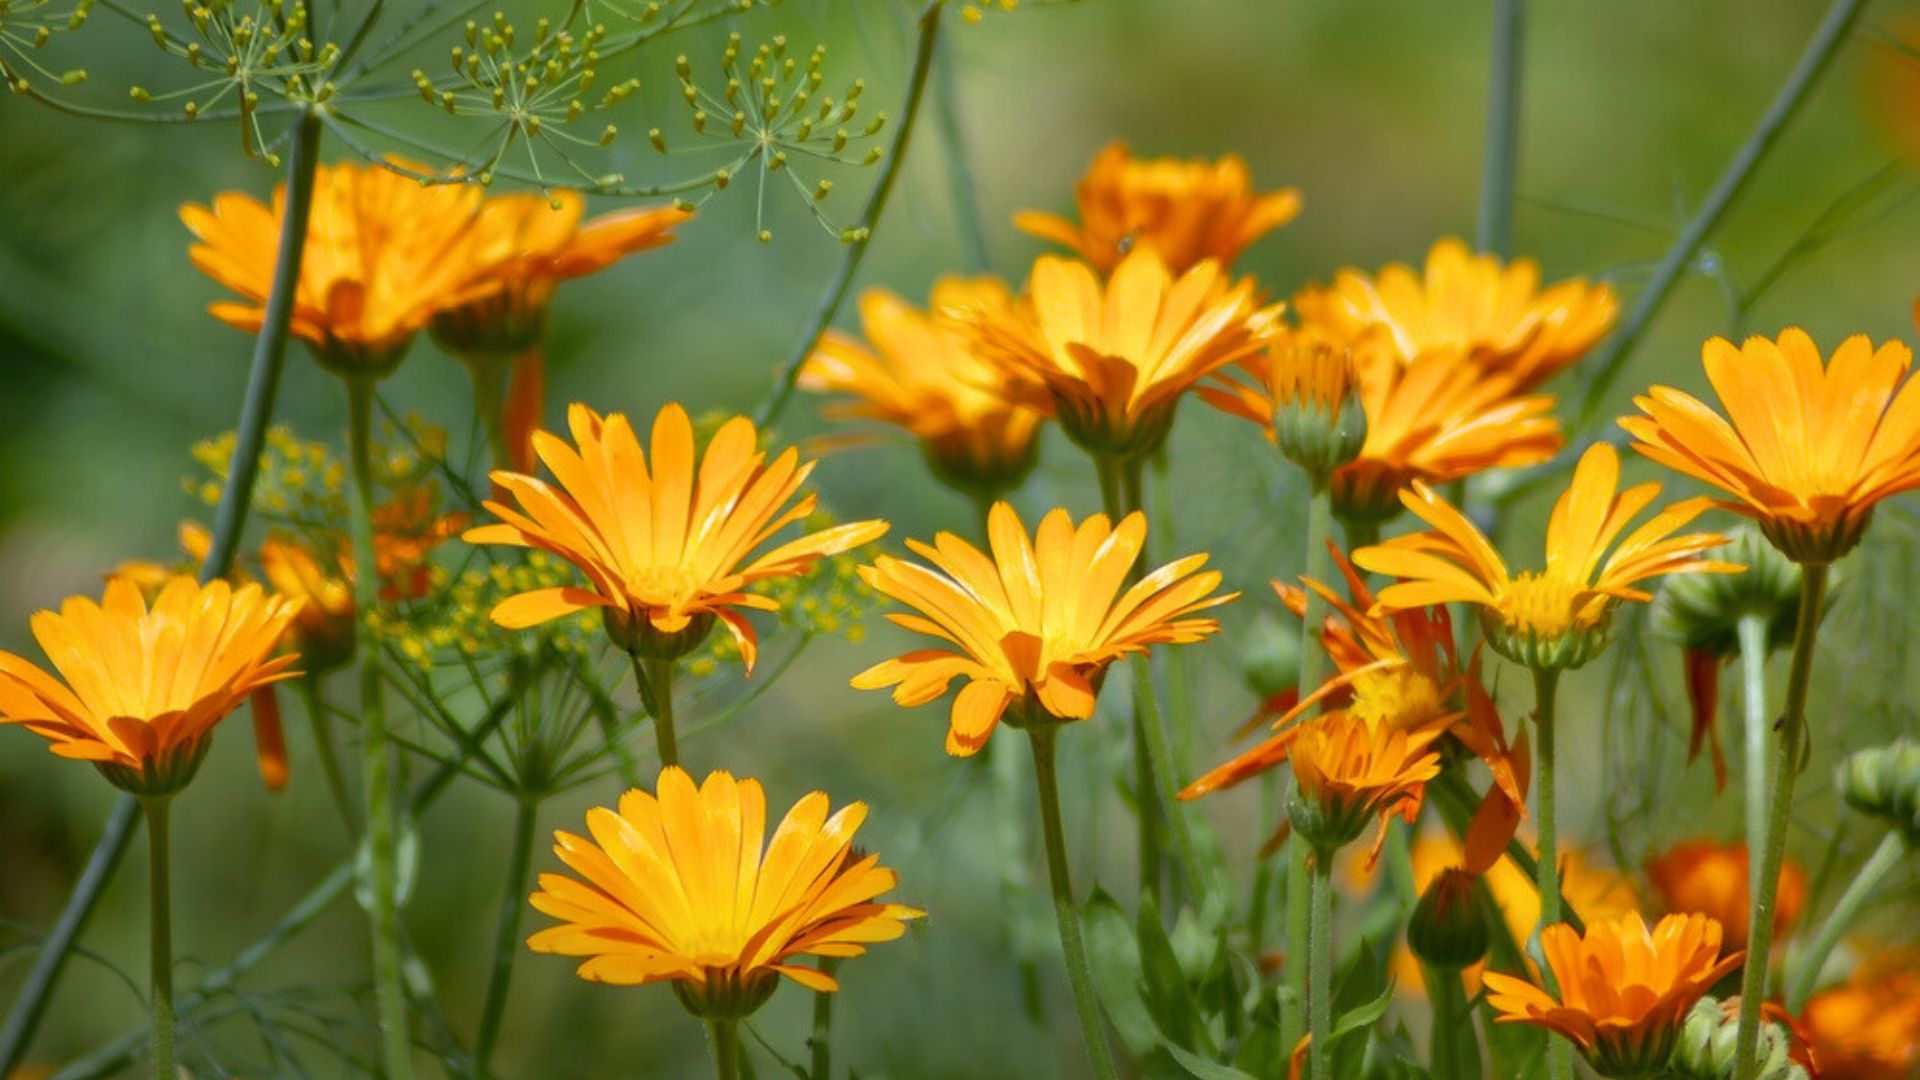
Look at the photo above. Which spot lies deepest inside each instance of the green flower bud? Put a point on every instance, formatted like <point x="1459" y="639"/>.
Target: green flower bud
<point x="1317" y="419"/>
<point x="1884" y="782"/>
<point x="1270" y="657"/>
<point x="1705" y="1049"/>
<point x="1449" y="926"/>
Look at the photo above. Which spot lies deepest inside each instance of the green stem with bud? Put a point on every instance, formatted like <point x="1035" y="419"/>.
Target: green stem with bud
<point x="1865" y="883"/>
<point x="160" y="934"/>
<point x="1786" y="750"/>
<point x="1041" y="732"/>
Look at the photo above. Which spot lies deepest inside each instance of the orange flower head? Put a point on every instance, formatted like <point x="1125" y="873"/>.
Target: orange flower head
<point x="524" y="246"/>
<point x="1712" y="878"/>
<point x="1037" y="622"/>
<point x="667" y="549"/>
<point x="1868" y="1028"/>
<point x="918" y="370"/>
<point x="1348" y="771"/>
<point x="685" y="888"/>
<point x="139" y="689"/>
<point x="1557" y="617"/>
<point x="1468" y="307"/>
<point x="1806" y="450"/>
<point x="1187" y="211"/>
<point x="323" y="629"/>
<point x="1625" y="991"/>
<point x="383" y="254"/>
<point x="1111" y="360"/>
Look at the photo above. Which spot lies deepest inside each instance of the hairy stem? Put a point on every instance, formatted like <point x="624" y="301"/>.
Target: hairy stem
<point x="160" y="935"/>
<point x="1758" y="778"/>
<point x="1320" y="968"/>
<point x="1546" y="682"/>
<point x="1066" y="912"/>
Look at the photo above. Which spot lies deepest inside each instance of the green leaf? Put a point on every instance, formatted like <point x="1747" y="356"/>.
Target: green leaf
<point x="1117" y="979"/>
<point x="1169" y="995"/>
<point x="1205" y="1068"/>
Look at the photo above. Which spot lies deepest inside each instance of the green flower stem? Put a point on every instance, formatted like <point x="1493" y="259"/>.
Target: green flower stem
<point x="1450" y="1015"/>
<point x="820" y="1043"/>
<point x="327" y="752"/>
<point x="376" y="756"/>
<point x="488" y="371"/>
<point x="1042" y="733"/>
<point x="1320" y="967"/>
<point x="506" y="938"/>
<point x="953" y="137"/>
<point x="656" y="691"/>
<point x="1113" y="499"/>
<point x="1294" y="969"/>
<point x="1865" y="883"/>
<point x="1313" y="671"/>
<point x="723" y="1042"/>
<point x="1258" y="896"/>
<point x="1502" y="157"/>
<point x="836" y="294"/>
<point x="160" y="935"/>
<point x="1546" y="681"/>
<point x="1753" y="979"/>
<point x="1752" y="630"/>
<point x="236" y="496"/>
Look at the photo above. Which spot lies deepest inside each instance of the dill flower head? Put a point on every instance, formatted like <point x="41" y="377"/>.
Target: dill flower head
<point x="917" y="370"/>
<point x="1034" y="624"/>
<point x="1868" y="1028"/>
<point x="1470" y="307"/>
<point x="1188" y="211"/>
<point x="1624" y="991"/>
<point x="666" y="540"/>
<point x="1348" y="771"/>
<point x="685" y="888"/>
<point x="1711" y="878"/>
<point x="1556" y="617"/>
<point x="1112" y="359"/>
<point x="1806" y="449"/>
<point x="138" y="689"/>
<point x="524" y="246"/>
<point x="383" y="254"/>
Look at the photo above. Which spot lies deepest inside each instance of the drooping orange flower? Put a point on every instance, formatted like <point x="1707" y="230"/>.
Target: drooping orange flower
<point x="666" y="550"/>
<point x="1349" y="771"/>
<point x="524" y="246"/>
<point x="1805" y="450"/>
<point x="1624" y="990"/>
<point x="383" y="254"/>
<point x="685" y="888"/>
<point x="1711" y="878"/>
<point x="1468" y="307"/>
<point x="1111" y="360"/>
<point x="1188" y="211"/>
<point x="1868" y="1028"/>
<point x="918" y="371"/>
<point x="139" y="689"/>
<point x="1037" y="622"/>
<point x="1556" y="617"/>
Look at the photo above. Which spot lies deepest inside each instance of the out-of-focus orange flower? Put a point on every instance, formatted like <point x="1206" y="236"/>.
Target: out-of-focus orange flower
<point x="1467" y="307"/>
<point x="1037" y="622"/>
<point x="140" y="688"/>
<point x="1187" y="211"/>
<point x="1806" y="449"/>
<point x="917" y="370"/>
<point x="1712" y="878"/>
<point x="1624" y="990"/>
<point x="383" y="254"/>
<point x="1868" y="1028"/>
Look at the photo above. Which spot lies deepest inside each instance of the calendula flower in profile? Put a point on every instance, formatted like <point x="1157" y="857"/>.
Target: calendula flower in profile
<point x="1806" y="449"/>
<point x="917" y="370"/>
<point x="383" y="254"/>
<point x="1034" y="624"/>
<point x="684" y="887"/>
<point x="1557" y="617"/>
<point x="524" y="245"/>
<point x="1186" y="210"/>
<point x="1712" y="879"/>
<point x="667" y="540"/>
<point x="1868" y="1028"/>
<point x="1469" y="307"/>
<point x="139" y="689"/>
<point x="1348" y="771"/>
<point x="1624" y="990"/>
<point x="1112" y="359"/>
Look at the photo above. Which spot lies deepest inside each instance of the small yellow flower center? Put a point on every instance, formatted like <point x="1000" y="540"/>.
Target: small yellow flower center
<point x="1398" y="698"/>
<point x="1543" y="607"/>
<point x="662" y="586"/>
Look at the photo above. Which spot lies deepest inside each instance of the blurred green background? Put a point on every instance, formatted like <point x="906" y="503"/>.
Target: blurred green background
<point x="111" y="368"/>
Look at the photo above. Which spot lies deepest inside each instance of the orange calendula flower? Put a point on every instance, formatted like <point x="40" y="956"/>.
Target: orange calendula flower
<point x="917" y="370"/>
<point x="1349" y="771"/>
<point x="1868" y="1028"/>
<point x="383" y="254"/>
<point x="1111" y="360"/>
<point x="1468" y="307"/>
<point x="139" y="689"/>
<point x="685" y="888"/>
<point x="524" y="246"/>
<point x="1624" y="990"/>
<point x="1187" y="211"/>
<point x="669" y="549"/>
<point x="1036" y="623"/>
<point x="1557" y="617"/>
<point x="1711" y="878"/>
<point x="1806" y="450"/>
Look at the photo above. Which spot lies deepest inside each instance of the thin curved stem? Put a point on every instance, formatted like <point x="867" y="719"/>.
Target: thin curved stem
<point x="506" y="936"/>
<point x="160" y="935"/>
<point x="1752" y="633"/>
<point x="1065" y="910"/>
<point x="842" y="283"/>
<point x="327" y="752"/>
<point x="236" y="496"/>
<point x="1865" y="883"/>
<point x="1501" y="162"/>
<point x="1753" y="979"/>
